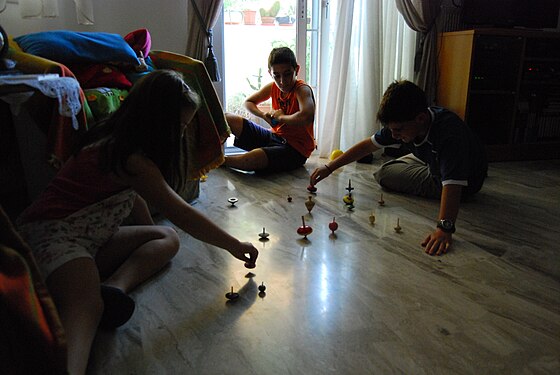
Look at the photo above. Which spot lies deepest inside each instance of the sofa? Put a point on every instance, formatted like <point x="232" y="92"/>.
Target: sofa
<point x="105" y="78"/>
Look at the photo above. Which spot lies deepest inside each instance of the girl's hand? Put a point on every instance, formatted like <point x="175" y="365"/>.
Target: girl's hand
<point x="245" y="252"/>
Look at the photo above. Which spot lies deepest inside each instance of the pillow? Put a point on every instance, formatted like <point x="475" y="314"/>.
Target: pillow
<point x="74" y="47"/>
<point x="140" y="41"/>
<point x="100" y="75"/>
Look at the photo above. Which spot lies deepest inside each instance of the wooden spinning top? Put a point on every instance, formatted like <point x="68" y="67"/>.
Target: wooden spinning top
<point x="372" y="218"/>
<point x="309" y="204"/>
<point x="304" y="230"/>
<point x="349" y="201"/>
<point x="381" y="201"/>
<point x="333" y="225"/>
<point x="232" y="201"/>
<point x="263" y="235"/>
<point x="232" y="295"/>
<point x="398" y="228"/>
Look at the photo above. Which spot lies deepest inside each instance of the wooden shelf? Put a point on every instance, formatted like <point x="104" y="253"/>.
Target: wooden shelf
<point x="482" y="80"/>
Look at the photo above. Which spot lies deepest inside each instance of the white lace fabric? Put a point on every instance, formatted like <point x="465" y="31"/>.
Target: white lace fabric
<point x="65" y="89"/>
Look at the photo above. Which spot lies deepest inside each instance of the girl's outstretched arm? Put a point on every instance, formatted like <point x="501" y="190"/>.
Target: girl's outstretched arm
<point x="147" y="180"/>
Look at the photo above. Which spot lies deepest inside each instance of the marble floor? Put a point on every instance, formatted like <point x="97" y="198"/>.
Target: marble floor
<point x="366" y="300"/>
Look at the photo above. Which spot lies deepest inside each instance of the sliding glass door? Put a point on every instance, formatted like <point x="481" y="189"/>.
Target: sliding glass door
<point x="251" y="28"/>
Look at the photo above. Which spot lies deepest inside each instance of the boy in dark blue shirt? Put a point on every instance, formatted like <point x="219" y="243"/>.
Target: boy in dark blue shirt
<point x="446" y="160"/>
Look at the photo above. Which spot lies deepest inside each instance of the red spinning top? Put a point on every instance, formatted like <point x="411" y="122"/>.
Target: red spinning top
<point x="333" y="225"/>
<point x="304" y="230"/>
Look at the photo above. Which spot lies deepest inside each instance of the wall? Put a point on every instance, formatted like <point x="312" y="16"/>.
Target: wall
<point x="165" y="19"/>
<point x="451" y="19"/>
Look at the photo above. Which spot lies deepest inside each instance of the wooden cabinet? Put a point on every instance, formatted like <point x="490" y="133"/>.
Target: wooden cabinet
<point x="505" y="84"/>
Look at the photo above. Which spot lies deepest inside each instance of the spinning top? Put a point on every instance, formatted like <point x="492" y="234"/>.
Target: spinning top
<point x="263" y="235"/>
<point x="381" y="201"/>
<point x="398" y="228"/>
<point x="372" y="218"/>
<point x="333" y="225"/>
<point x="309" y="204"/>
<point x="348" y="200"/>
<point x="289" y="198"/>
<point x="262" y="288"/>
<point x="311" y="188"/>
<point x="231" y="295"/>
<point x="304" y="230"/>
<point x="349" y="188"/>
<point x="232" y="201"/>
<point x="250" y="265"/>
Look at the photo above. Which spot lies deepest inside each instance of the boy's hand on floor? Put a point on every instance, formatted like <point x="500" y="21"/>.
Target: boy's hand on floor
<point x="437" y="243"/>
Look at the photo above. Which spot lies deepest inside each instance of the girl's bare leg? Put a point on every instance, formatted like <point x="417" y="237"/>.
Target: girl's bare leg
<point x="135" y="253"/>
<point x="75" y="290"/>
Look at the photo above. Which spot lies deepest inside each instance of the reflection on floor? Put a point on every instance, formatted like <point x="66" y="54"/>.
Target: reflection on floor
<point x="366" y="300"/>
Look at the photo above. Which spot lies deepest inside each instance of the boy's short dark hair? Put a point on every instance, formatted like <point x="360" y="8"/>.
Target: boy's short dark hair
<point x="402" y="101"/>
<point x="282" y="55"/>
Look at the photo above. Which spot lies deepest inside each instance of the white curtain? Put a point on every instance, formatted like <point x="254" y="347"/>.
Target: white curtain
<point x="365" y="45"/>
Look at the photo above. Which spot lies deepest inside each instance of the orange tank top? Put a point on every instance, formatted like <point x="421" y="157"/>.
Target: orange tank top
<point x="300" y="137"/>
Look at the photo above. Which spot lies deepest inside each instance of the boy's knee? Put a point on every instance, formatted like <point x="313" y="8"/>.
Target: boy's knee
<point x="381" y="175"/>
<point x="235" y="123"/>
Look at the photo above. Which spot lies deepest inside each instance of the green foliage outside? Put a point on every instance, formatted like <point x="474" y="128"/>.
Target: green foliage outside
<point x="257" y="86"/>
<point x="272" y="11"/>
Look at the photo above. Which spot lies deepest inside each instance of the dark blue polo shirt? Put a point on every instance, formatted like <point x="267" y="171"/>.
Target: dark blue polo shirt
<point x="450" y="149"/>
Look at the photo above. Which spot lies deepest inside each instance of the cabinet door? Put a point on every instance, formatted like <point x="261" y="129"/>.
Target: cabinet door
<point x="496" y="63"/>
<point x="491" y="116"/>
<point x="493" y="87"/>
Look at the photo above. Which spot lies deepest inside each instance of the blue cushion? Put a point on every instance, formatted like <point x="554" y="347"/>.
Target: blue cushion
<point x="75" y="47"/>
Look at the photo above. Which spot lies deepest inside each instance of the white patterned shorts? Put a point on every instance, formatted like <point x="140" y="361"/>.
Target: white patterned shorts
<point x="79" y="235"/>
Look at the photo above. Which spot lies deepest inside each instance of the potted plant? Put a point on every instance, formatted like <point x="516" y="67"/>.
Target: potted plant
<point x="233" y="17"/>
<point x="249" y="16"/>
<point x="285" y="20"/>
<point x="268" y="16"/>
<point x="264" y="106"/>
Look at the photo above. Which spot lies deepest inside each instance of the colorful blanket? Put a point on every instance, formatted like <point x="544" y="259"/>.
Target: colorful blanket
<point x="32" y="339"/>
<point x="204" y="139"/>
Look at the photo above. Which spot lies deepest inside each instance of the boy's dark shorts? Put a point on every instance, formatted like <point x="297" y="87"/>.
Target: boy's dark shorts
<point x="281" y="156"/>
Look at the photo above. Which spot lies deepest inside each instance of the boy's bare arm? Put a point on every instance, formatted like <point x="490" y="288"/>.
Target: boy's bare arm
<point x="358" y="151"/>
<point x="256" y="98"/>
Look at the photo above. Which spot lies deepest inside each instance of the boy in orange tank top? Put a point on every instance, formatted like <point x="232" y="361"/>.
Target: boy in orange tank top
<point x="289" y="141"/>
